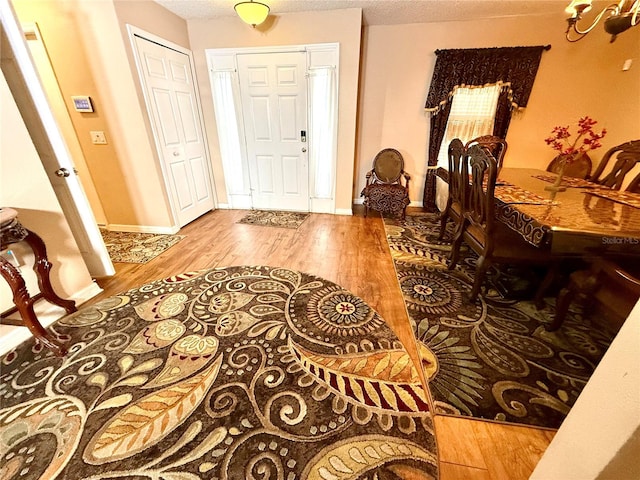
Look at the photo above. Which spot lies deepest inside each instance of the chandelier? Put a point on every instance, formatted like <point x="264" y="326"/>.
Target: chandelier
<point x="621" y="16"/>
<point x="253" y="13"/>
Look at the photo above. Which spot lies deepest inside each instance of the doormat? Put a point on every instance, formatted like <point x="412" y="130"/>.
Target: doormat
<point x="128" y="247"/>
<point x="274" y="218"/>
<point x="231" y="373"/>
<point x="495" y="359"/>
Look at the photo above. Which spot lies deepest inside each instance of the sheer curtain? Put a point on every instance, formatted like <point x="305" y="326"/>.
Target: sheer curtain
<point x="322" y="141"/>
<point x="229" y="133"/>
<point x="472" y="114"/>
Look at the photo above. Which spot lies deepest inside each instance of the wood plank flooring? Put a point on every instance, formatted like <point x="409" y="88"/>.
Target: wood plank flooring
<point x="352" y="252"/>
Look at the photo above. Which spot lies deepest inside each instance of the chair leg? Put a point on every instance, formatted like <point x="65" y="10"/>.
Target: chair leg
<point x="544" y="286"/>
<point x="565" y="297"/>
<point x="455" y="246"/>
<point x="444" y="216"/>
<point x="481" y="269"/>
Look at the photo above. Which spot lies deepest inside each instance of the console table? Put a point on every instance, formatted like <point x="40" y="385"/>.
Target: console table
<point x="12" y="231"/>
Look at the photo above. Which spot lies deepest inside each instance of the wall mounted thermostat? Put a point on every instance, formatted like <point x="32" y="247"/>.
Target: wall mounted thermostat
<point x="82" y="103"/>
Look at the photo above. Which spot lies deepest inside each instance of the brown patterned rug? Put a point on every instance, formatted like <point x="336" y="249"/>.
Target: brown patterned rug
<point x="274" y="218"/>
<point x="128" y="247"/>
<point x="495" y="359"/>
<point x="231" y="373"/>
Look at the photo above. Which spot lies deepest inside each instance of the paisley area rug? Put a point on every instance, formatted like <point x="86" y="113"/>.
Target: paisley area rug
<point x="495" y="360"/>
<point x="128" y="247"/>
<point x="232" y="373"/>
<point x="273" y="218"/>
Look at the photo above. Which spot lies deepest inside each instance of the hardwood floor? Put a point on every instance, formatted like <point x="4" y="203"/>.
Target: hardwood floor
<point x="352" y="252"/>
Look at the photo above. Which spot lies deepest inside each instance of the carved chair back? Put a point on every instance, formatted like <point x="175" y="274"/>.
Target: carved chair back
<point x="479" y="196"/>
<point x="458" y="173"/>
<point x="579" y="168"/>
<point x="497" y="147"/>
<point x="388" y="166"/>
<point x="634" y="186"/>
<point x="628" y="156"/>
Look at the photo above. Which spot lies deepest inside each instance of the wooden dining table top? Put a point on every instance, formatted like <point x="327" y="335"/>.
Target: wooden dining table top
<point x="583" y="219"/>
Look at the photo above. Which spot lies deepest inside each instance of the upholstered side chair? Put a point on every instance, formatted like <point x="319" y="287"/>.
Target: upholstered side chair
<point x="387" y="188"/>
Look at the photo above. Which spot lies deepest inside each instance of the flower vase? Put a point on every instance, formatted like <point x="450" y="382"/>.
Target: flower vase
<point x="556" y="186"/>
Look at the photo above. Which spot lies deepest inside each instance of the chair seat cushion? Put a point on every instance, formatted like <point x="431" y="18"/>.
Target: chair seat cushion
<point x="386" y="198"/>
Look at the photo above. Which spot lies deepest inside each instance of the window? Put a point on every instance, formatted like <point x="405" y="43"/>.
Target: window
<point x="472" y="115"/>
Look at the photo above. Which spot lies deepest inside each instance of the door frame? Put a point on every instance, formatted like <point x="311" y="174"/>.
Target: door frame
<point x="318" y="54"/>
<point x="134" y="31"/>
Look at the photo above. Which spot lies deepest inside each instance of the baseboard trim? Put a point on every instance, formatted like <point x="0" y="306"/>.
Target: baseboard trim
<point x="115" y="227"/>
<point x="344" y="211"/>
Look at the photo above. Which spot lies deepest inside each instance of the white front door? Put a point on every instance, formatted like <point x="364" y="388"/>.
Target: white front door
<point x="173" y="107"/>
<point x="274" y="106"/>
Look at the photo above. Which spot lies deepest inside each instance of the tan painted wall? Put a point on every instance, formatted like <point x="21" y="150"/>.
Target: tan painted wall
<point x="89" y="56"/>
<point x="574" y="79"/>
<point x="62" y="112"/>
<point x="153" y="18"/>
<point x="343" y="26"/>
<point x="59" y="27"/>
<point x="140" y="196"/>
<point x="25" y="187"/>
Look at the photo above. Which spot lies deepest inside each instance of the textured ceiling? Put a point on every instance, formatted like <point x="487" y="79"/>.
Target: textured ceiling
<point x="379" y="12"/>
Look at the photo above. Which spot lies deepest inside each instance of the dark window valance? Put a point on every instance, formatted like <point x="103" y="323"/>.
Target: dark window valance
<point x="516" y="66"/>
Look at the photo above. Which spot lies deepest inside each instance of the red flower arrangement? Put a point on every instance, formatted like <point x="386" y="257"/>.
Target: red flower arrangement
<point x="587" y="139"/>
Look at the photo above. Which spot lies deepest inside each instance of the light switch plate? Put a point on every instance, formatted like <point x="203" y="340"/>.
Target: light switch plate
<point x="98" y="138"/>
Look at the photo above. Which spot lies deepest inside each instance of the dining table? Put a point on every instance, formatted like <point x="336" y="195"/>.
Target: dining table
<point x="577" y="218"/>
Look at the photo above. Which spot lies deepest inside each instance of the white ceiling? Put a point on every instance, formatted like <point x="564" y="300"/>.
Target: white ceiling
<point x="379" y="12"/>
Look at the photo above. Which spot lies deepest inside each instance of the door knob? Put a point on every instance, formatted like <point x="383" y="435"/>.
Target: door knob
<point x="304" y="150"/>
<point x="176" y="154"/>
<point x="62" y="172"/>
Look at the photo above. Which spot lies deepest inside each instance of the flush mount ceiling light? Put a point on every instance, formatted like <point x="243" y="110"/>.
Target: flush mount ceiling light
<point x="253" y="13"/>
<point x="622" y="16"/>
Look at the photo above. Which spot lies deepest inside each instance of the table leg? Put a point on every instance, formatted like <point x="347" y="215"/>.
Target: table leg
<point x="42" y="267"/>
<point x="24" y="303"/>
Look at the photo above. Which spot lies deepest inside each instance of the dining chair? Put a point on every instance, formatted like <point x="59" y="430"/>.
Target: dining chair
<point x="634" y="186"/>
<point x="453" y="207"/>
<point x="497" y="147"/>
<point x="579" y="168"/>
<point x="605" y="281"/>
<point x="385" y="191"/>
<point x="493" y="241"/>
<point x="627" y="156"/>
